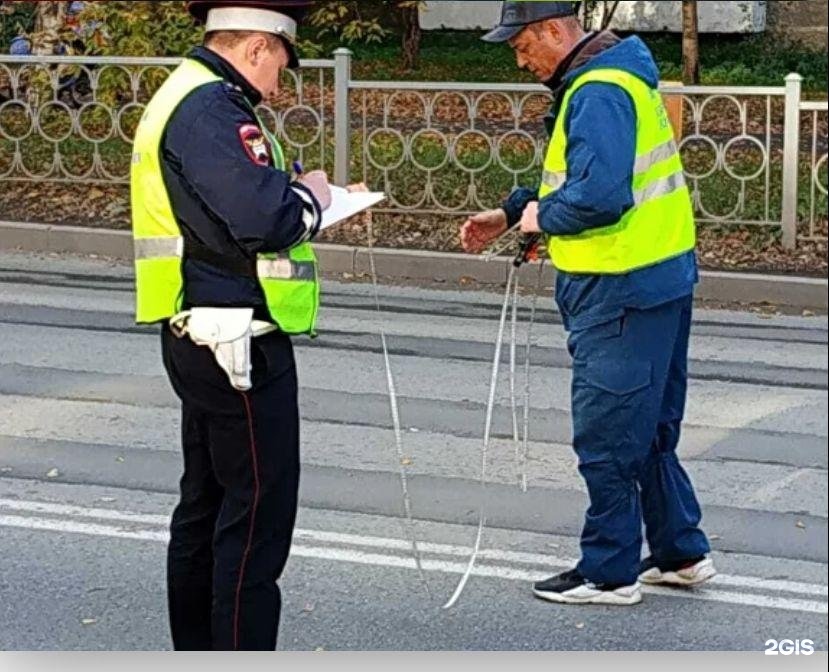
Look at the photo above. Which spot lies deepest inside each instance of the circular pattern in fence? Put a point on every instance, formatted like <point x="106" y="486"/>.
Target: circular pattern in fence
<point x="127" y="120"/>
<point x="494" y="111"/>
<point x="820" y="182"/>
<point x="428" y="149"/>
<point x="148" y="80"/>
<point x="268" y="118"/>
<point x="16" y="121"/>
<point x="8" y="160"/>
<point x="405" y="108"/>
<point x="55" y="121"/>
<point x="115" y="84"/>
<point x="744" y="158"/>
<point x="517" y="151"/>
<point x="77" y="160"/>
<point x="38" y="158"/>
<point x="301" y="126"/>
<point x="450" y="109"/>
<point x="720" y="115"/>
<point x="700" y="156"/>
<point x="386" y="148"/>
<point x="721" y="199"/>
<point x="96" y="122"/>
<point x="450" y="191"/>
<point x="472" y="151"/>
<point x="114" y="160"/>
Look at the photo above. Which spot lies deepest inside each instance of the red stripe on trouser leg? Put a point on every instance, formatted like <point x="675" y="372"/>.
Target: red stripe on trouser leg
<point x="254" y="462"/>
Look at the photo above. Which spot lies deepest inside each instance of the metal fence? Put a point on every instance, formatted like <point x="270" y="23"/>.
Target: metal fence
<point x="753" y="155"/>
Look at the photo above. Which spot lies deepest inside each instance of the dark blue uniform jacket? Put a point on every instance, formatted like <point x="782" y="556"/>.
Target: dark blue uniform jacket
<point x="230" y="205"/>
<point x="601" y="149"/>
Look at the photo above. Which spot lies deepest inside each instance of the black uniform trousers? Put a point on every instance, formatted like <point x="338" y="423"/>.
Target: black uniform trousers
<point x="231" y="531"/>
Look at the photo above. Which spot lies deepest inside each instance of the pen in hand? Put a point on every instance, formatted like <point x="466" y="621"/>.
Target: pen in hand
<point x="316" y="182"/>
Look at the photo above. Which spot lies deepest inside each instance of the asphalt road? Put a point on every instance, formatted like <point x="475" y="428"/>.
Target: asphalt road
<point x="89" y="464"/>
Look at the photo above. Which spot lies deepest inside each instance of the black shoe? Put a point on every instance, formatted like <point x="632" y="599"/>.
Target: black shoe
<point x="678" y="573"/>
<point x="572" y="588"/>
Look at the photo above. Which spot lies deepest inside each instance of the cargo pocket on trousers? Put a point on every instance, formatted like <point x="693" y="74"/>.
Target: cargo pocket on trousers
<point x="620" y="377"/>
<point x="610" y="398"/>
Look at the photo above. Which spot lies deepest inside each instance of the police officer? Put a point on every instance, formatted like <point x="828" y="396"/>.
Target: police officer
<point x="617" y="217"/>
<point x="224" y="261"/>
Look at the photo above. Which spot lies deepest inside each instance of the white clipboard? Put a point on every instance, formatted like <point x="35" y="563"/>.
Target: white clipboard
<point x="345" y="205"/>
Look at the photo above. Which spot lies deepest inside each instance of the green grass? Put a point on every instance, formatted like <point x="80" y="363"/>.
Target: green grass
<point x="460" y="55"/>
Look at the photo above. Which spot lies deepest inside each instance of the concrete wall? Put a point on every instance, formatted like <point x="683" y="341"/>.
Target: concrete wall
<point x="468" y="15"/>
<point x="801" y="21"/>
<point x="715" y="16"/>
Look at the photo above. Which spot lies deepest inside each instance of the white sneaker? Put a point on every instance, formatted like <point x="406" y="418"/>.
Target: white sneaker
<point x="572" y="588"/>
<point x="682" y="573"/>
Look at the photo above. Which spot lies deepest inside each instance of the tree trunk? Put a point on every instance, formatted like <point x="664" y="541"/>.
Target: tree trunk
<point x="410" y="19"/>
<point x="690" y="42"/>
<point x="608" y="13"/>
<point x="50" y="18"/>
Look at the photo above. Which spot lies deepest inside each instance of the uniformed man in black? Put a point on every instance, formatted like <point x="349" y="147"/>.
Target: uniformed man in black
<point x="231" y="532"/>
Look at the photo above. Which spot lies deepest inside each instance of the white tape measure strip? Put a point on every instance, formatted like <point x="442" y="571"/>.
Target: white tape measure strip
<point x="395" y="414"/>
<point x="510" y="304"/>
<point x="493" y="384"/>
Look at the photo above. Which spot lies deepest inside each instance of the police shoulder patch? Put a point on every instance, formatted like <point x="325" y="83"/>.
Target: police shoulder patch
<point x="256" y="144"/>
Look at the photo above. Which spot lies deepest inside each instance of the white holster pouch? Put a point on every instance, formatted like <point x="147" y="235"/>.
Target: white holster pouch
<point x="227" y="332"/>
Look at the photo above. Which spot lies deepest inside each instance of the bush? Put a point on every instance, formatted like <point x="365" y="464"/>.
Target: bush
<point x="140" y="28"/>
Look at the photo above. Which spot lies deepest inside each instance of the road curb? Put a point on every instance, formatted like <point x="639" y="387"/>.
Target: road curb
<point x="420" y="266"/>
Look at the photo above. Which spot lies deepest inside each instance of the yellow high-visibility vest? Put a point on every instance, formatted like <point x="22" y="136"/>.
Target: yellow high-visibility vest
<point x="290" y="281"/>
<point x="660" y="225"/>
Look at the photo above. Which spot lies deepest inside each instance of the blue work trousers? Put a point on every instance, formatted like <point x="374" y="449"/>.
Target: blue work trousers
<point x="629" y="386"/>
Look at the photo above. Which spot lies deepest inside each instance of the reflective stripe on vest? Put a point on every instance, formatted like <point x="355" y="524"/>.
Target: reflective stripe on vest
<point x="290" y="282"/>
<point x="661" y="223"/>
<point x="286" y="269"/>
<point x="158" y="248"/>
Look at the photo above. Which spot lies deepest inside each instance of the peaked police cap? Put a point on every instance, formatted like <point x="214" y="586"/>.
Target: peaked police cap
<point x="278" y="17"/>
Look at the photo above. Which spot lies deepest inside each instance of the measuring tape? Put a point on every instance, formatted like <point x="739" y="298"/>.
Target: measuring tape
<point x="509" y="306"/>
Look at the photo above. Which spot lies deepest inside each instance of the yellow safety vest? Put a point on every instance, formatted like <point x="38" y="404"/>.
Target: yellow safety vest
<point x="289" y="281"/>
<point x="660" y="225"/>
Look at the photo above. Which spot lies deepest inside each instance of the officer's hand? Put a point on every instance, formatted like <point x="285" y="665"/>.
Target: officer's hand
<point x="317" y="183"/>
<point x="529" y="220"/>
<point x="357" y="188"/>
<point x="480" y="230"/>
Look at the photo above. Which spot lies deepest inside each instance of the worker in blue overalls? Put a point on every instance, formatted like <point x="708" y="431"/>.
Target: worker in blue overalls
<point x="617" y="218"/>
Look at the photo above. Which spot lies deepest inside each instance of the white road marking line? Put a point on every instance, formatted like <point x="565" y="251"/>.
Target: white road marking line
<point x="53" y="525"/>
<point x="83" y="512"/>
<point x="490" y="571"/>
<point x="388" y="560"/>
<point x="548" y="561"/>
<point x="541" y="560"/>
